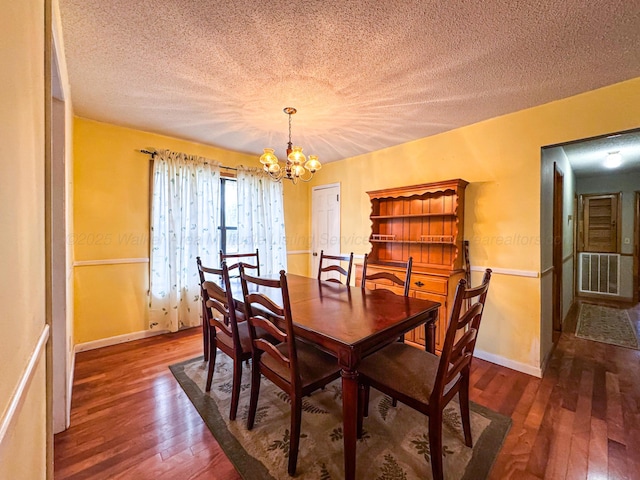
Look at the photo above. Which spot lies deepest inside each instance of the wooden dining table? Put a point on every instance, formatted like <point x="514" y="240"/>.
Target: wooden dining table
<point x="350" y="323"/>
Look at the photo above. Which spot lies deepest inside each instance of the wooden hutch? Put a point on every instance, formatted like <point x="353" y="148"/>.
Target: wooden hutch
<point x="425" y="222"/>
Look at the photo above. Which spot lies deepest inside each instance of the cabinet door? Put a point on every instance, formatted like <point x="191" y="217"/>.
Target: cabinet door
<point x="440" y="324"/>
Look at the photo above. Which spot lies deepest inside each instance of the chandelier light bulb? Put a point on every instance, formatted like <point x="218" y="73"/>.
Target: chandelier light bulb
<point x="268" y="157"/>
<point x="613" y="160"/>
<point x="296" y="156"/>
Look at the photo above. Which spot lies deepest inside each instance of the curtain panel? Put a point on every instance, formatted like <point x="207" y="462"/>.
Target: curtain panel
<point x="261" y="219"/>
<point x="185" y="217"/>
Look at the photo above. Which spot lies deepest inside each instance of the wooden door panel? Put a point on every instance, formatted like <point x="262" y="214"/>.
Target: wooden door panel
<point x="601" y="217"/>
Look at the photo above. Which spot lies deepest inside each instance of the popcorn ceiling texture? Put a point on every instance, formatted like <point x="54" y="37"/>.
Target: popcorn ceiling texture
<point x="364" y="75"/>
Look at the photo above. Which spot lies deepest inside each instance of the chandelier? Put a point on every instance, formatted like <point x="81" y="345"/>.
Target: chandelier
<point x="296" y="164"/>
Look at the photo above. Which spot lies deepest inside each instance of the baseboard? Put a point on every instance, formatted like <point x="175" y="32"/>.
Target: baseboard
<point x="606" y="298"/>
<point x="106" y="342"/>
<point x="505" y="362"/>
<point x="18" y="396"/>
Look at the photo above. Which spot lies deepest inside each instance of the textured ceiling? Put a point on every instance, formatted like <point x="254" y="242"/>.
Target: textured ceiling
<point x="363" y="75"/>
<point x="587" y="158"/>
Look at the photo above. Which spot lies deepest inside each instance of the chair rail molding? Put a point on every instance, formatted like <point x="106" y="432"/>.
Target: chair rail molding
<point x="508" y="271"/>
<point x="18" y="396"/>
<point x="109" y="261"/>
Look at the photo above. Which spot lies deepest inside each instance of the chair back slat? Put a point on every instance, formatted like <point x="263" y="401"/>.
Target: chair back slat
<point x="250" y="261"/>
<point x="217" y="296"/>
<point x="266" y="302"/>
<point x="263" y="312"/>
<point x="269" y="327"/>
<point x="394" y="279"/>
<point x="322" y="268"/>
<point x="269" y="349"/>
<point x="218" y="300"/>
<point x="461" y="336"/>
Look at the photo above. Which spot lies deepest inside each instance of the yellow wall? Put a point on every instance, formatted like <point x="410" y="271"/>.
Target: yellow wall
<point x="500" y="158"/>
<point x="111" y="222"/>
<point x="23" y="450"/>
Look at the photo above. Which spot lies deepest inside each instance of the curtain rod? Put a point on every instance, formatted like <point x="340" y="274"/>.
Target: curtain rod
<point x="154" y="153"/>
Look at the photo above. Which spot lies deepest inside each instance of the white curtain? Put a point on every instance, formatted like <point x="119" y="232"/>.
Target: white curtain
<point x="261" y="219"/>
<point x="185" y="217"/>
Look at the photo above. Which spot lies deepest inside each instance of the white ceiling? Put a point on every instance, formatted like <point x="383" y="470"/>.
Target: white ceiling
<point x="587" y="158"/>
<point x="363" y="75"/>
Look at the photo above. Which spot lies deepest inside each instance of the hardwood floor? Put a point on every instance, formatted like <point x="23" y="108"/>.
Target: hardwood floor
<point x="130" y="419"/>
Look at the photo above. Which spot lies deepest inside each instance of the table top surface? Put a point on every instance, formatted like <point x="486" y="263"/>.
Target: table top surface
<point x="346" y="316"/>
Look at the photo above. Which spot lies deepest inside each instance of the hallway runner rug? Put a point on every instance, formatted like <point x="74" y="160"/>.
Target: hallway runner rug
<point x="394" y="445"/>
<point x="606" y="325"/>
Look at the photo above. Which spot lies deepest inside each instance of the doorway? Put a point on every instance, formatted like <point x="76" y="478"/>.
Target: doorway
<point x="58" y="265"/>
<point x="325" y="222"/>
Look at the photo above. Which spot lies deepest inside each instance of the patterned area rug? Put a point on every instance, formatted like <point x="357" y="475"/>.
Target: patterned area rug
<point x="606" y="325"/>
<point x="394" y="445"/>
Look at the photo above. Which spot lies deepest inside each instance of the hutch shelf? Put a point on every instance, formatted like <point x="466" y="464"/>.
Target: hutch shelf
<point x="425" y="222"/>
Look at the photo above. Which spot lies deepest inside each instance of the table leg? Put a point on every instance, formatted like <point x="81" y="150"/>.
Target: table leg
<point x="350" y="421"/>
<point x="430" y="334"/>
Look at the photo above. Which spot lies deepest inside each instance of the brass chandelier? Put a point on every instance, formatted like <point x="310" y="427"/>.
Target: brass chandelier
<point x="296" y="165"/>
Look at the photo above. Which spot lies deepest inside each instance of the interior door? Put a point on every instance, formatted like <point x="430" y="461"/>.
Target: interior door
<point x="601" y="222"/>
<point x="558" y="237"/>
<point x="325" y="222"/>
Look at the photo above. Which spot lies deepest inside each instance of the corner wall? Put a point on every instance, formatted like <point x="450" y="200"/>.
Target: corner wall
<point x="111" y="226"/>
<point x="500" y="158"/>
<point x="23" y="392"/>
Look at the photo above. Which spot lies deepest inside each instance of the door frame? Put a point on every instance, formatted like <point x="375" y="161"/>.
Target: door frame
<point x="558" y="240"/>
<point x="636" y="249"/>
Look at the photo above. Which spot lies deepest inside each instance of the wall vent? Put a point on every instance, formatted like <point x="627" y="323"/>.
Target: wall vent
<point x="599" y="273"/>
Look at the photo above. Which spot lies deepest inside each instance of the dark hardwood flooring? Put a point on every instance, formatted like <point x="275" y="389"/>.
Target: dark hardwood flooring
<point x="131" y="420"/>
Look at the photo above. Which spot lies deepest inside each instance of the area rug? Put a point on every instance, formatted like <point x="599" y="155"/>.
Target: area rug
<point x="394" y="445"/>
<point x="606" y="325"/>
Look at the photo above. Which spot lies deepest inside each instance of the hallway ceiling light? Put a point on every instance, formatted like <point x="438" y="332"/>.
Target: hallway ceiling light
<point x="296" y="165"/>
<point x="613" y="160"/>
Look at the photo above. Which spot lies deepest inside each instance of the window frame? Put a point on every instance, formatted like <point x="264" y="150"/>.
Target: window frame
<point x="223" y="228"/>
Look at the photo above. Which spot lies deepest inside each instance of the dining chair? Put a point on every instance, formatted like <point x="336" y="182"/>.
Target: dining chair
<point x="424" y="381"/>
<point x="333" y="267"/>
<point x="248" y="260"/>
<point x="296" y="367"/>
<point x="203" y="272"/>
<point x="226" y="332"/>
<point x="394" y="281"/>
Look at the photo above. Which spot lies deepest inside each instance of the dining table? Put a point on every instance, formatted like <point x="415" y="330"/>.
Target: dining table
<point x="350" y="323"/>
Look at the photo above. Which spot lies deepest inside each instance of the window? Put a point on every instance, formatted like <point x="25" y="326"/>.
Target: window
<point x="228" y="215"/>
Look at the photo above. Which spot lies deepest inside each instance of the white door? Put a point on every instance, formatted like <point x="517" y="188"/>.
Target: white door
<point x="325" y="222"/>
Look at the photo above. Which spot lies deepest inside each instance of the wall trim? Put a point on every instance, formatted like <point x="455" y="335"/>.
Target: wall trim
<point x="18" y="397"/>
<point x="127" y="337"/>
<point x="505" y="362"/>
<point x="508" y="271"/>
<point x="109" y="261"/>
<point x="298" y="252"/>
